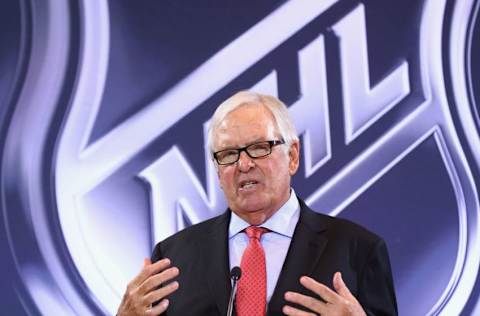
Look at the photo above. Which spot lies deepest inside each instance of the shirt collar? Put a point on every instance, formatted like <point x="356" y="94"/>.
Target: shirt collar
<point x="282" y="222"/>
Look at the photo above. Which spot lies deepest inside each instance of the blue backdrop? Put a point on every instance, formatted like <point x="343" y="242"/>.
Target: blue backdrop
<point x="104" y="107"/>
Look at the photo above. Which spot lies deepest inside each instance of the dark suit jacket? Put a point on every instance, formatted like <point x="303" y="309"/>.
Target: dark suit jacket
<point x="321" y="245"/>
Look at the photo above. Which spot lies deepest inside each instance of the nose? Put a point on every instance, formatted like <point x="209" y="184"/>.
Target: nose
<point x="245" y="163"/>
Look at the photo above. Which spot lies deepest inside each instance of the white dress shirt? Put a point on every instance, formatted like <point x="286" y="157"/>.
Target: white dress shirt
<point x="275" y="242"/>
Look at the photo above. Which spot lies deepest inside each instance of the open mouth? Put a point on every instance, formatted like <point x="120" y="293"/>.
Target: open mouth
<point x="248" y="185"/>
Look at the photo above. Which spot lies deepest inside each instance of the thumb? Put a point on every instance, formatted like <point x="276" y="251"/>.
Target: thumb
<point x="340" y="286"/>
<point x="146" y="262"/>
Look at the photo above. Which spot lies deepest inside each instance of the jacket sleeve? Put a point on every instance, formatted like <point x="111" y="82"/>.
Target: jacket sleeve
<point x="156" y="254"/>
<point x="376" y="292"/>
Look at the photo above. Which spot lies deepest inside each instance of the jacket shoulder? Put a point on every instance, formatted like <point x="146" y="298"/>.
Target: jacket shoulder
<point x="335" y="226"/>
<point x="351" y="229"/>
<point x="189" y="236"/>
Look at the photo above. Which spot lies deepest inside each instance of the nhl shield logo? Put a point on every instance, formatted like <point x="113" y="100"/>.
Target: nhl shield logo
<point x="385" y="105"/>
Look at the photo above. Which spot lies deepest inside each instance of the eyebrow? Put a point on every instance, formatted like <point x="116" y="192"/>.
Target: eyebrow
<point x="258" y="140"/>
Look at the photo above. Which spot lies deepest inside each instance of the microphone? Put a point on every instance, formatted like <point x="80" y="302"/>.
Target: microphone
<point x="235" y="275"/>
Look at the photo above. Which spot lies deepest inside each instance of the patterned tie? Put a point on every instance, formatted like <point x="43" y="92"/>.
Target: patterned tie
<point x="252" y="287"/>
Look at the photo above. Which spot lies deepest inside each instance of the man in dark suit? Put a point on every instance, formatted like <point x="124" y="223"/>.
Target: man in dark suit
<point x="294" y="261"/>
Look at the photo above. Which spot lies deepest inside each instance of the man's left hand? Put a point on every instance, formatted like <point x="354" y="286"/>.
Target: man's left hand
<point x="335" y="303"/>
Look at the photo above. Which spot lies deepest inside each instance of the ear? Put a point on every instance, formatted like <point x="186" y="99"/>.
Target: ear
<point x="294" y="157"/>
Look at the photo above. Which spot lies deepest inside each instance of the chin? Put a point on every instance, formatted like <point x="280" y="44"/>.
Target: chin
<point x="252" y="206"/>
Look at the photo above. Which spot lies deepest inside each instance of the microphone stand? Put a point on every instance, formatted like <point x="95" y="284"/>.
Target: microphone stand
<point x="235" y="275"/>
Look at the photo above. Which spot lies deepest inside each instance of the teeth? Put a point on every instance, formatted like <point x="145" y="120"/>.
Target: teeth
<point x="248" y="185"/>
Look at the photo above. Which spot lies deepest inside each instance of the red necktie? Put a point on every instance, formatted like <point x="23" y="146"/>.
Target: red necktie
<point x="252" y="287"/>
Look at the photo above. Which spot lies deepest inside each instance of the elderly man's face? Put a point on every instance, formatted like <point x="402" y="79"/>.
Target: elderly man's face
<point x="254" y="188"/>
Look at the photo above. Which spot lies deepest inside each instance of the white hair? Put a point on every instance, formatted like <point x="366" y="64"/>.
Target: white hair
<point x="283" y="120"/>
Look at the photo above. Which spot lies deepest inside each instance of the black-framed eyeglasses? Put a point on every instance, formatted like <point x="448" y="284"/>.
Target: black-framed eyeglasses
<point x="255" y="150"/>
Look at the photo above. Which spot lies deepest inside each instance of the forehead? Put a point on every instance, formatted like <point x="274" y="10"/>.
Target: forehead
<point x="246" y="124"/>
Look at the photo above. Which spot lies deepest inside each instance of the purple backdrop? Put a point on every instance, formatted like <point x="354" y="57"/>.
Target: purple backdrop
<point x="104" y="107"/>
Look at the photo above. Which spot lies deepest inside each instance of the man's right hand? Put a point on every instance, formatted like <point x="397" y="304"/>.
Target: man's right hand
<point x="144" y="290"/>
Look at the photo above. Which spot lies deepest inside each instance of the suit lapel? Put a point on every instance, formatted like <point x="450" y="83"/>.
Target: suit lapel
<point x="216" y="255"/>
<point x="303" y="255"/>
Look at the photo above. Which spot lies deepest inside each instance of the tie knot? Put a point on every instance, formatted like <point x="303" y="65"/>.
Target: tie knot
<point x="255" y="232"/>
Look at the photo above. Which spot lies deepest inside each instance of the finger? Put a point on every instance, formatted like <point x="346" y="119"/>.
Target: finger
<point x="159" y="308"/>
<point x="149" y="270"/>
<point x="340" y="286"/>
<point x="161" y="293"/>
<point x="288" y="310"/>
<point x="318" y="288"/>
<point x="146" y="262"/>
<point x="157" y="279"/>
<point x="309" y="302"/>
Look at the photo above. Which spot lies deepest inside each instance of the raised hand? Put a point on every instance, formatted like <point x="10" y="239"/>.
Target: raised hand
<point x="144" y="289"/>
<point x="340" y="302"/>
